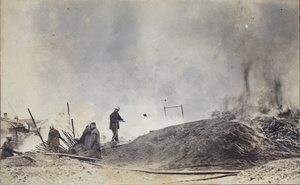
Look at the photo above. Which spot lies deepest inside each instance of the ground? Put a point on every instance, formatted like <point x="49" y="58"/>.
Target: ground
<point x="48" y="169"/>
<point x="55" y="170"/>
<point x="284" y="171"/>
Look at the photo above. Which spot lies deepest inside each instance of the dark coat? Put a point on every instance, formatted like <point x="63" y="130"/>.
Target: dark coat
<point x="86" y="137"/>
<point x="95" y="138"/>
<point x="114" y="120"/>
<point x="53" y="138"/>
<point x="95" y="150"/>
<point x="7" y="150"/>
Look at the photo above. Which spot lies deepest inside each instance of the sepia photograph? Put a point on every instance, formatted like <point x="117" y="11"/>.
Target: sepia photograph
<point x="149" y="92"/>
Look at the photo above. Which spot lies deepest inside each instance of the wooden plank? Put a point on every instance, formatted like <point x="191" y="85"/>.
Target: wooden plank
<point x="203" y="179"/>
<point x="208" y="172"/>
<point x="37" y="129"/>
<point x="95" y="164"/>
<point x="188" y="172"/>
<point x="73" y="156"/>
<point x="222" y="172"/>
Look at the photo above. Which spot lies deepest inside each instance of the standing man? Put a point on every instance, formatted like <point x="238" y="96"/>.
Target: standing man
<point x="7" y="149"/>
<point x="114" y="123"/>
<point x="53" y="140"/>
<point x="95" y="151"/>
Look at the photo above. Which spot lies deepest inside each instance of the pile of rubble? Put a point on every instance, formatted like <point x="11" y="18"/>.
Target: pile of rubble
<point x="219" y="143"/>
<point x="283" y="129"/>
<point x="206" y="144"/>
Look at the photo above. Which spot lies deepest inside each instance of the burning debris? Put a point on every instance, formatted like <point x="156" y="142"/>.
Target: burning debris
<point x="283" y="127"/>
<point x="223" y="115"/>
<point x="284" y="130"/>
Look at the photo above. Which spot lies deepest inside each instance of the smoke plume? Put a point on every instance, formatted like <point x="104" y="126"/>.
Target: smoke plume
<point x="97" y="55"/>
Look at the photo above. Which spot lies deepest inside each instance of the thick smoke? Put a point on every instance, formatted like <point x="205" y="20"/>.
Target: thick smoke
<point x="267" y="54"/>
<point x="133" y="54"/>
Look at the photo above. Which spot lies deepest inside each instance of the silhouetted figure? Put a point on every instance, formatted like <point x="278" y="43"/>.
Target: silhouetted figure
<point x="114" y="123"/>
<point x="95" y="151"/>
<point x="53" y="140"/>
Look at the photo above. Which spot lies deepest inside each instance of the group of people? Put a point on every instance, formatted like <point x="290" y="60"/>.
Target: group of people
<point x="90" y="138"/>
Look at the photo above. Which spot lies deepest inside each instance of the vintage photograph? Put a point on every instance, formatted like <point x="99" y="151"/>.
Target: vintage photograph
<point x="150" y="92"/>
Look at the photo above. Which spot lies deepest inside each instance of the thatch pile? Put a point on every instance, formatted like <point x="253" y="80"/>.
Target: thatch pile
<point x="212" y="143"/>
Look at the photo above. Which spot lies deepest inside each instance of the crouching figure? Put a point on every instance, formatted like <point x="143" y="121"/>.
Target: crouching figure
<point x="7" y="149"/>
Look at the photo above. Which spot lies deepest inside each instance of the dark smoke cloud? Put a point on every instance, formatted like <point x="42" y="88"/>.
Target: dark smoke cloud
<point x="268" y="56"/>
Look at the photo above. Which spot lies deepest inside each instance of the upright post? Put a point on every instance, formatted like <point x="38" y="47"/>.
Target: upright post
<point x="73" y="128"/>
<point x="70" y="121"/>
<point x="182" y="112"/>
<point x="17" y="139"/>
<point x="68" y="112"/>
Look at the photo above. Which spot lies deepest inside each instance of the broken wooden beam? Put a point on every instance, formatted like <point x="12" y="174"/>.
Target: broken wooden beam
<point x="204" y="179"/>
<point x="74" y="156"/>
<point x="234" y="172"/>
<point x="95" y="164"/>
<point x="73" y="128"/>
<point x="37" y="129"/>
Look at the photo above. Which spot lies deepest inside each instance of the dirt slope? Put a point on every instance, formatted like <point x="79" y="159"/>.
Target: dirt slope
<point x="54" y="170"/>
<point x="205" y="144"/>
<point x="283" y="171"/>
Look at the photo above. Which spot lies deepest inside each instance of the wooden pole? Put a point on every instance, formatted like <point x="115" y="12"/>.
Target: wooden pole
<point x="182" y="112"/>
<point x="68" y="112"/>
<point x="74" y="156"/>
<point x="17" y="139"/>
<point x="70" y="121"/>
<point x="73" y="128"/>
<point x="37" y="129"/>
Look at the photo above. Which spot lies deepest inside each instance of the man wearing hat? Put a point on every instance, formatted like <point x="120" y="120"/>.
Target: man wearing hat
<point x="7" y="149"/>
<point x="95" y="151"/>
<point x="53" y="140"/>
<point x="114" y="123"/>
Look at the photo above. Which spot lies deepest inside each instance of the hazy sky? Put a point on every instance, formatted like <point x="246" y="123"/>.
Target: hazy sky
<point x="97" y="55"/>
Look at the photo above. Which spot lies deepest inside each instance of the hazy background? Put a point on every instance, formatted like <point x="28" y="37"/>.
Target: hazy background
<point x="142" y="56"/>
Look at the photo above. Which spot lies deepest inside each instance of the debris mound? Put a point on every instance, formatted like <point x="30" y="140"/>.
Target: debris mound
<point x="205" y="144"/>
<point x="284" y="129"/>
